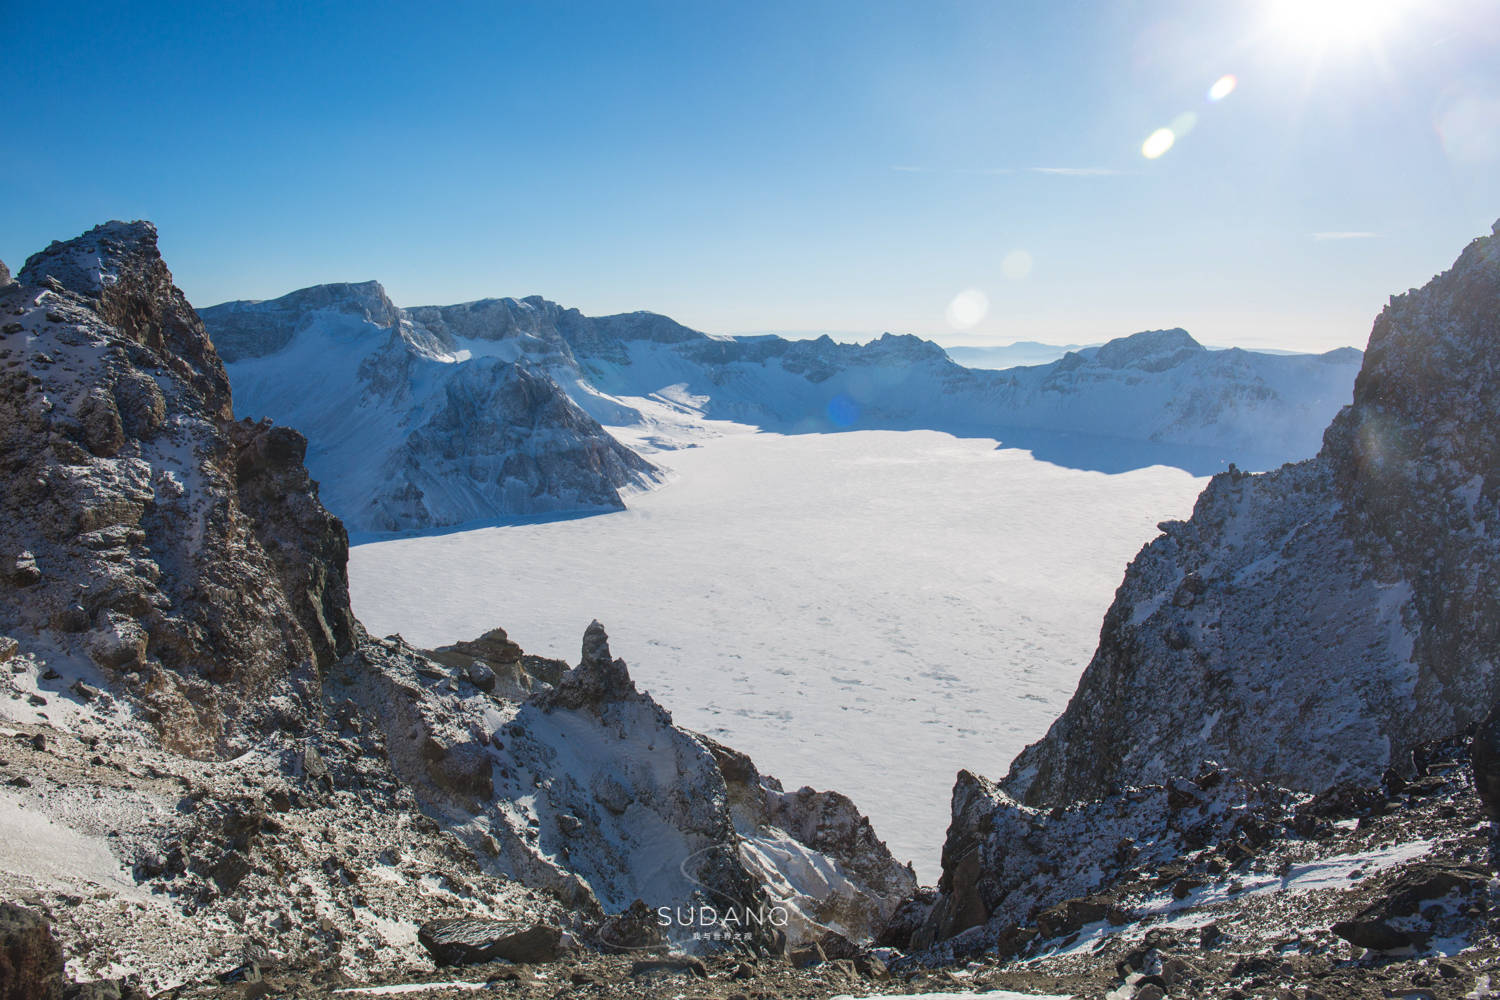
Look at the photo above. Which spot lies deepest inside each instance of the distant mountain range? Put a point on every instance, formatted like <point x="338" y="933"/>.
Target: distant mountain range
<point x="437" y="416"/>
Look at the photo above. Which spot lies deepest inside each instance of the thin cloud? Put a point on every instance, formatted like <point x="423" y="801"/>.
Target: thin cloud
<point x="1320" y="237"/>
<point x="1075" y="171"/>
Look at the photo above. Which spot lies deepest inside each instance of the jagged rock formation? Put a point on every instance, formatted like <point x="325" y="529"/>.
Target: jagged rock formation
<point x="1309" y="625"/>
<point x="408" y="433"/>
<point x="146" y="537"/>
<point x="438" y="415"/>
<point x="589" y="789"/>
<point x="1306" y="627"/>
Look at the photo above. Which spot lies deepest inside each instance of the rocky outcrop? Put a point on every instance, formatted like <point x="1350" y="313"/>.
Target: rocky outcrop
<point x="1310" y="625"/>
<point x="786" y="840"/>
<point x="147" y="535"/>
<point x="1305" y="628"/>
<point x="588" y="788"/>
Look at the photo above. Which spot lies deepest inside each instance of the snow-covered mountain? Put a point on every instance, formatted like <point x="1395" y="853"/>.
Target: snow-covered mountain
<point x="409" y="430"/>
<point x="439" y="415"/>
<point x="1306" y="628"/>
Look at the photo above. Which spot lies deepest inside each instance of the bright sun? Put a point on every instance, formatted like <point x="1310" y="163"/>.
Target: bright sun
<point x="1335" y="23"/>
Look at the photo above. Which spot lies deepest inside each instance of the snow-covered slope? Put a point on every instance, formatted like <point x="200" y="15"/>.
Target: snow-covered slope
<point x="1307" y="627"/>
<point x="408" y="430"/>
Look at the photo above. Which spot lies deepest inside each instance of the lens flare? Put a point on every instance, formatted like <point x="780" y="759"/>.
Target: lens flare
<point x="1223" y="87"/>
<point x="1157" y="143"/>
<point x="1183" y="124"/>
<point x="1016" y="265"/>
<point x="967" y="308"/>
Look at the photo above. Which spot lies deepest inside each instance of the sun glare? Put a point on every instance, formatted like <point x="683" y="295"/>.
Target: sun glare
<point x="1333" y="23"/>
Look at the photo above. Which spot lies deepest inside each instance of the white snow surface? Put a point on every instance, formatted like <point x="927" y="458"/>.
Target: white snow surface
<point x="866" y="611"/>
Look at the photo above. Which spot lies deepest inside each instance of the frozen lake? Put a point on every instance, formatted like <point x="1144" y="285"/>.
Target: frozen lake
<point x="867" y="611"/>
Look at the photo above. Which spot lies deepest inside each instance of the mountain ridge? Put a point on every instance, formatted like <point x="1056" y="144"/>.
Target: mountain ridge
<point x="1162" y="395"/>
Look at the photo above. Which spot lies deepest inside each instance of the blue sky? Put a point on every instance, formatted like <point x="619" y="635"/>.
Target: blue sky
<point x="849" y="167"/>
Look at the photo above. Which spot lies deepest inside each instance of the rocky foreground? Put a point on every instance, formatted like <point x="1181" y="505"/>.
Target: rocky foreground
<point x="1277" y="778"/>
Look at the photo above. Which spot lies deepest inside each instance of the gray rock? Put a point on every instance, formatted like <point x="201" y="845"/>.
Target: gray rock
<point x="468" y="941"/>
<point x="221" y="578"/>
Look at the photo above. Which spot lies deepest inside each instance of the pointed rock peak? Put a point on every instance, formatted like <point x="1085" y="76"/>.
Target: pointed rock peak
<point x="90" y="263"/>
<point x="5" y="279"/>
<point x="117" y="268"/>
<point x="598" y="680"/>
<point x="595" y="646"/>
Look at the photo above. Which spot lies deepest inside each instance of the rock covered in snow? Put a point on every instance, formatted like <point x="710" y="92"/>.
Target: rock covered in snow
<point x="149" y="535"/>
<point x="589" y="789"/>
<point x="471" y="941"/>
<point x="1310" y="625"/>
<point x="1306" y="627"/>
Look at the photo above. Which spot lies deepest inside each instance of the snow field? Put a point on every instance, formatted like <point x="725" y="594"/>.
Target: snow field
<point x="867" y="611"/>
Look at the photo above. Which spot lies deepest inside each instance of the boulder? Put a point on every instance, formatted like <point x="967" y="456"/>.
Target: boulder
<point x="1396" y="919"/>
<point x="473" y="940"/>
<point x="31" y="963"/>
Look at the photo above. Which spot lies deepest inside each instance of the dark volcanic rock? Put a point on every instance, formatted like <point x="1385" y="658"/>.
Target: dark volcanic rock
<point x="473" y="941"/>
<point x="31" y="963"/>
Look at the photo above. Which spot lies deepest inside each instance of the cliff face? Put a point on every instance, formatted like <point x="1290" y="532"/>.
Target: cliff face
<point x="1310" y="625"/>
<point x="145" y="536"/>
<point x="1305" y="627"/>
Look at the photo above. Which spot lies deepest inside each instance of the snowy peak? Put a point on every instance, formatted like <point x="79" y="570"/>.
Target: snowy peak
<point x="252" y="328"/>
<point x="117" y="270"/>
<point x="90" y="263"/>
<point x="1152" y="350"/>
